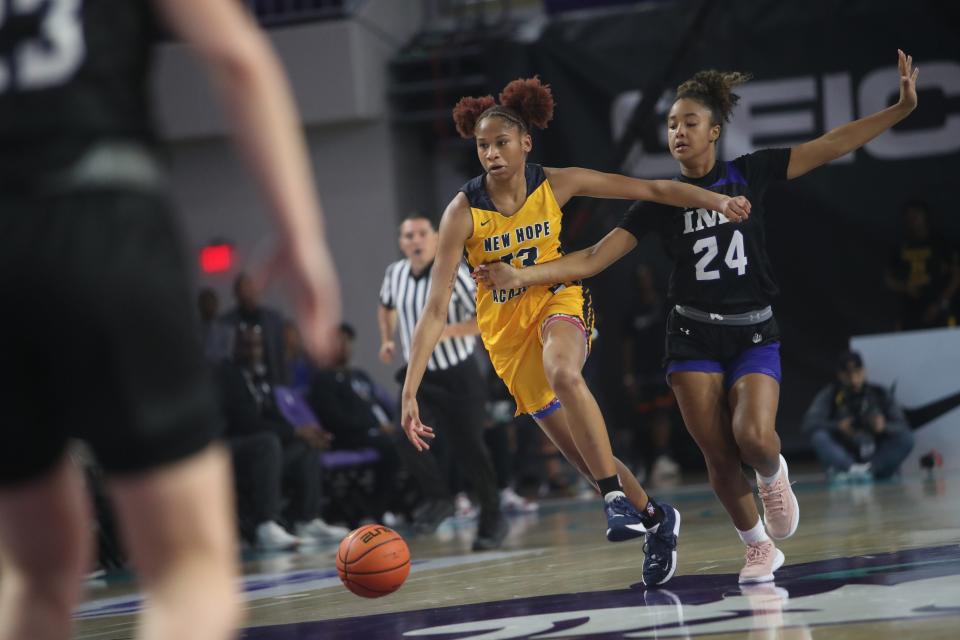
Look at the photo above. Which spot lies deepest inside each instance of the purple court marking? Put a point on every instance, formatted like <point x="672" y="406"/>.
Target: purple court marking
<point x="923" y="583"/>
<point x="270" y="585"/>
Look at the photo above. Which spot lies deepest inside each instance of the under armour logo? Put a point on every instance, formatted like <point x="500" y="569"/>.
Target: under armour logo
<point x="757" y="338"/>
<point x="685" y="331"/>
<point x="716" y="316"/>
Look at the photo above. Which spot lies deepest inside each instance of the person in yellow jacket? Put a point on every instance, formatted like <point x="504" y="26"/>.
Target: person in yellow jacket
<point x="538" y="337"/>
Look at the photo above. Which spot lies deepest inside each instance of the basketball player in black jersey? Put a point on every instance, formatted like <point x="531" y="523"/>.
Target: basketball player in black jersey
<point x="101" y="343"/>
<point x="723" y="345"/>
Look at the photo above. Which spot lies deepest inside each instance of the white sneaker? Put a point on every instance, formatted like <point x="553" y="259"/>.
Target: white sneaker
<point x="318" y="530"/>
<point x="665" y="467"/>
<point x="862" y="472"/>
<point x="664" y="472"/>
<point x="512" y="502"/>
<point x="272" y="537"/>
<point x="464" y="508"/>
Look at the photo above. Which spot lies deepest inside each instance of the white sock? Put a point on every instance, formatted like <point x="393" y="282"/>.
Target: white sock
<point x="769" y="480"/>
<point x="755" y="535"/>
<point x="614" y="494"/>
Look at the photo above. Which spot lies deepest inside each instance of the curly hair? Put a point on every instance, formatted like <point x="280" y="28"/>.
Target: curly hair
<point x="714" y="90"/>
<point x="524" y="102"/>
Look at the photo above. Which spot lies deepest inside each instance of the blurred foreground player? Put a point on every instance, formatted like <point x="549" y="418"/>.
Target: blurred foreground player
<point x="106" y="347"/>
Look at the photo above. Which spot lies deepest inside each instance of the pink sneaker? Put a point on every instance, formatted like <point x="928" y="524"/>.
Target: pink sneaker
<point x="762" y="560"/>
<point x="781" y="512"/>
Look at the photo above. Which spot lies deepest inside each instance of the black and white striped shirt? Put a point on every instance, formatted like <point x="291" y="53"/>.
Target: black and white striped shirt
<point x="407" y="294"/>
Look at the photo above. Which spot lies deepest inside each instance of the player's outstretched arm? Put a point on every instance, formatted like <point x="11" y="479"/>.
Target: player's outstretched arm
<point x="253" y="88"/>
<point x="573" y="266"/>
<point x="456" y="226"/>
<point x="853" y="135"/>
<point x="575" y="181"/>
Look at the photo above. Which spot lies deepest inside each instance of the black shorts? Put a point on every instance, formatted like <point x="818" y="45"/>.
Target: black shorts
<point x="99" y="336"/>
<point x="689" y="339"/>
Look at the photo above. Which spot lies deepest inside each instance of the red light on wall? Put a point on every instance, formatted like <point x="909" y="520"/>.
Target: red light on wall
<point x="216" y="258"/>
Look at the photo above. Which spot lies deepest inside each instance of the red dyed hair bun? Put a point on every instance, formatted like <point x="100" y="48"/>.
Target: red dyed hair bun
<point x="467" y="112"/>
<point x="531" y="100"/>
<point x="525" y="102"/>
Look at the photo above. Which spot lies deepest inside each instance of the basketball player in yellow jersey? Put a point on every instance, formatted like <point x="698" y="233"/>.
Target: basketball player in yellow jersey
<point x="538" y="338"/>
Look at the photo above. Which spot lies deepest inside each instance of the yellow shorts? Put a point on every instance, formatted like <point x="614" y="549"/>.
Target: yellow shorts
<point x="520" y="364"/>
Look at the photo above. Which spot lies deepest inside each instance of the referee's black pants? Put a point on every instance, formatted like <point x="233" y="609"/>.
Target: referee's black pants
<point x="452" y="402"/>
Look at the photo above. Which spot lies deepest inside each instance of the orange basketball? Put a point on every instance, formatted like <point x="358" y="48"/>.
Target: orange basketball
<point x="373" y="561"/>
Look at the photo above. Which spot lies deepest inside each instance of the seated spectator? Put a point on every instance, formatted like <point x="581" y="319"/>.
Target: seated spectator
<point x="215" y="337"/>
<point x="272" y="459"/>
<point x="250" y="312"/>
<point x="925" y="271"/>
<point x="348" y="404"/>
<point x="857" y="429"/>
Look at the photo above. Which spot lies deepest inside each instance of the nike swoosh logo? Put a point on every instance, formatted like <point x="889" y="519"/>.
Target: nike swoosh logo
<point x="485" y="222"/>
<point x="927" y="413"/>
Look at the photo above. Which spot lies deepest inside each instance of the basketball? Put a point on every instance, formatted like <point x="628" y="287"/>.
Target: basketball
<point x="373" y="561"/>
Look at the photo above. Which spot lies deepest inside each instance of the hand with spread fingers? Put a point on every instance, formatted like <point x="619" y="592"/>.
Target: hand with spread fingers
<point x="908" y="81"/>
<point x="417" y="432"/>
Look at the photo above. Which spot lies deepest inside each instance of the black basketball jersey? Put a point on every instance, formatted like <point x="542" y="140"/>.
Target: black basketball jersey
<point x="719" y="265"/>
<point x="71" y="72"/>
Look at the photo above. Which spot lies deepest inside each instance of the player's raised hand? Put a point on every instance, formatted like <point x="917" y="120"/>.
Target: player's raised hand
<point x="410" y="421"/>
<point x="498" y="275"/>
<point x="908" y="81"/>
<point x="736" y="209"/>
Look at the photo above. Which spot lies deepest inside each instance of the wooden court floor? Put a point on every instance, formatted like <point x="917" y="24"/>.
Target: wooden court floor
<point x="869" y="561"/>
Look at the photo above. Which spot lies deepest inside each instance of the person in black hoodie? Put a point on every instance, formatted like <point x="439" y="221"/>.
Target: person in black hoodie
<point x="357" y="413"/>
<point x="271" y="457"/>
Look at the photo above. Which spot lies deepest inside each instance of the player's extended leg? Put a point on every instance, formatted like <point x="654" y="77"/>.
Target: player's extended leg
<point x="45" y="545"/>
<point x="564" y="352"/>
<point x="178" y="523"/>
<point x="557" y="428"/>
<point x="703" y="404"/>
<point x="754" y="399"/>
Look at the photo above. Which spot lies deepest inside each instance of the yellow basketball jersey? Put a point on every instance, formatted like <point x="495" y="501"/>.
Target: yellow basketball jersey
<point x="510" y="320"/>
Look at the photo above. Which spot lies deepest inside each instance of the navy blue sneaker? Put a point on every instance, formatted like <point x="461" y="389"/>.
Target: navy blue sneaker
<point x="623" y="520"/>
<point x="660" y="548"/>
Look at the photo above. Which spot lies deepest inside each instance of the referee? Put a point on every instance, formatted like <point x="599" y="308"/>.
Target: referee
<point x="452" y="391"/>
